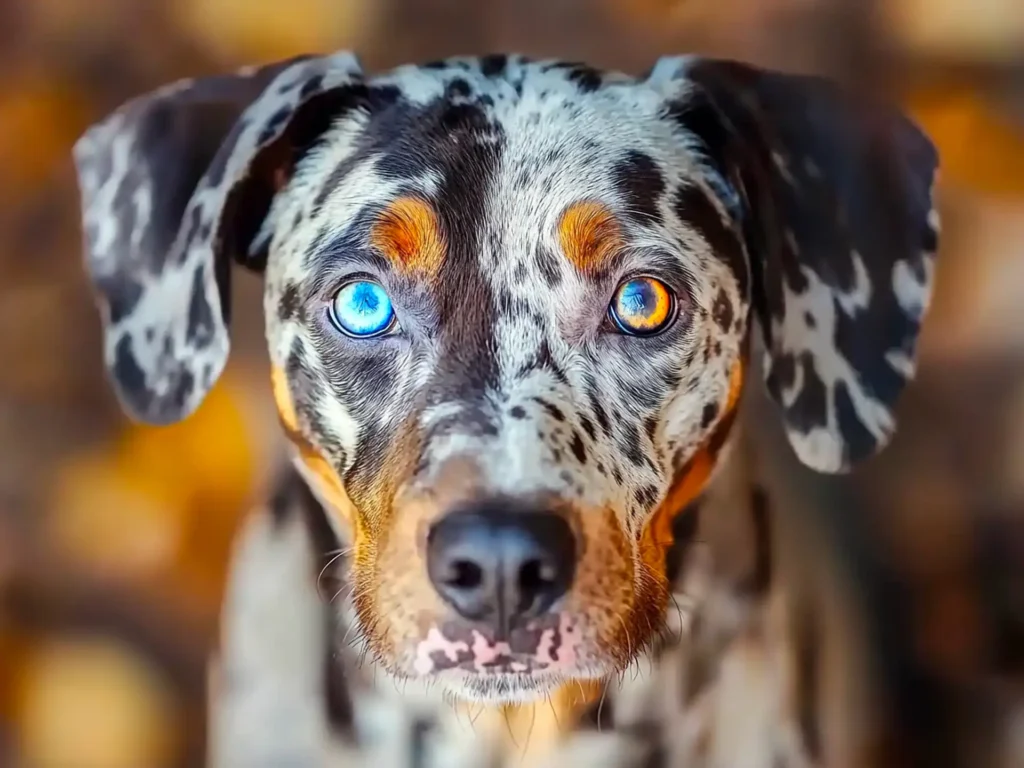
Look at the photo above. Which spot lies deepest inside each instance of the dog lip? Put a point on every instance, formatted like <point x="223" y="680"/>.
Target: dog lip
<point x="547" y="646"/>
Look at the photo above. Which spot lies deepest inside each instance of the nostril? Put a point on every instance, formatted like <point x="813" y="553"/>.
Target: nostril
<point x="530" y="580"/>
<point x="537" y="585"/>
<point x="535" y="576"/>
<point x="465" y="575"/>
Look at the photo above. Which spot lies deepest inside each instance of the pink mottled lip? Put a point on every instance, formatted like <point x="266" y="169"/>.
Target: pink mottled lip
<point x="552" y="648"/>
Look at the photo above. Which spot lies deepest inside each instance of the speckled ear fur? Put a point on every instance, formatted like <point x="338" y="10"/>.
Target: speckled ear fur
<point x="834" y="197"/>
<point x="174" y="185"/>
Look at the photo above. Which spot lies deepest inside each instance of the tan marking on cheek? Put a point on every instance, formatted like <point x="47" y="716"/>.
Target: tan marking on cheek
<point x="590" y="236"/>
<point x="393" y="591"/>
<point x="381" y="571"/>
<point x="618" y="607"/>
<point x="330" y="488"/>
<point x="283" y="399"/>
<point x="691" y="481"/>
<point x="657" y="536"/>
<point x="409" y="235"/>
<point x="735" y="386"/>
<point x="328" y="485"/>
<point x="399" y="463"/>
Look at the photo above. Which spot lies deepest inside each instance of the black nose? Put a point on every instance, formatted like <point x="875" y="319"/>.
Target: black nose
<point x="499" y="564"/>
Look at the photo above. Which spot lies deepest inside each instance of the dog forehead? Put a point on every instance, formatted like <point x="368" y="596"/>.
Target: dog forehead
<point x="500" y="78"/>
<point x="559" y="125"/>
<point x="524" y="139"/>
<point x="562" y="113"/>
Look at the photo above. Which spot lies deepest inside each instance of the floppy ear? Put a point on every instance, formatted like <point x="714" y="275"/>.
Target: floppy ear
<point x="832" y="196"/>
<point x="175" y="184"/>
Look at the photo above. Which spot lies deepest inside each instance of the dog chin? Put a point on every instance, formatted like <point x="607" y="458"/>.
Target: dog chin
<point x="499" y="689"/>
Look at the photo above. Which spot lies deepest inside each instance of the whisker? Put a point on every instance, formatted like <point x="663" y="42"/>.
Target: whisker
<point x="600" y="704"/>
<point x="348" y="631"/>
<point x="629" y="640"/>
<point x="529" y="733"/>
<point x="334" y="556"/>
<point x="554" y="713"/>
<point x="583" y="694"/>
<point x="508" y="727"/>
<point x="679" y="609"/>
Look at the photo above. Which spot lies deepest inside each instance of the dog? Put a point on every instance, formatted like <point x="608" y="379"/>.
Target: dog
<point x="511" y="309"/>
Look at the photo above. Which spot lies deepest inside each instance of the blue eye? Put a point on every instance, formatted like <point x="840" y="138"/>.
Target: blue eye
<point x="362" y="309"/>
<point x="642" y="306"/>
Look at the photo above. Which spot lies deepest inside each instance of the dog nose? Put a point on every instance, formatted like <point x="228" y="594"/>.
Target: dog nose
<point x="497" y="564"/>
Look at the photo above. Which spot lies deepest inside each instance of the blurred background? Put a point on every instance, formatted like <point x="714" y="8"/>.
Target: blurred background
<point x="114" y="537"/>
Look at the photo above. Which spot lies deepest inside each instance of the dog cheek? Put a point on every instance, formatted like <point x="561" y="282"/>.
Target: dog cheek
<point x="605" y="590"/>
<point x="283" y="399"/>
<point x="693" y="476"/>
<point x="395" y="600"/>
<point x="398" y="599"/>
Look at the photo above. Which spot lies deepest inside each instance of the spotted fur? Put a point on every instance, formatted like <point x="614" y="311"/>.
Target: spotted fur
<point x="500" y="201"/>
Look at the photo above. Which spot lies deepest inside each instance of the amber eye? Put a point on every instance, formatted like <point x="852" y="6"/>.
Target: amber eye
<point x="642" y="306"/>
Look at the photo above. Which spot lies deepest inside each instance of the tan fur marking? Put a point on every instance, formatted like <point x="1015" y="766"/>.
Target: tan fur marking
<point x="283" y="399"/>
<point x="329" y="485"/>
<point x="690" y="483"/>
<point x="590" y="236"/>
<point x="409" y="235"/>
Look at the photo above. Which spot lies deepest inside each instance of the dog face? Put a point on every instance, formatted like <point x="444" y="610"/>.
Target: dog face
<point x="507" y="308"/>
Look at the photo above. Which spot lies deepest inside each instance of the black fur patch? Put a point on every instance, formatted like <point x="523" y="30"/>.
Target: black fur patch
<point x="641" y="185"/>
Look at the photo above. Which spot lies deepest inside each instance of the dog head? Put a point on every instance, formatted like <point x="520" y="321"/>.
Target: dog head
<point x="508" y="305"/>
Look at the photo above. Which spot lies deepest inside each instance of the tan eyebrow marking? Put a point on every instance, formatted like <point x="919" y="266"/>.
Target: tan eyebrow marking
<point x="590" y="236"/>
<point x="409" y="235"/>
